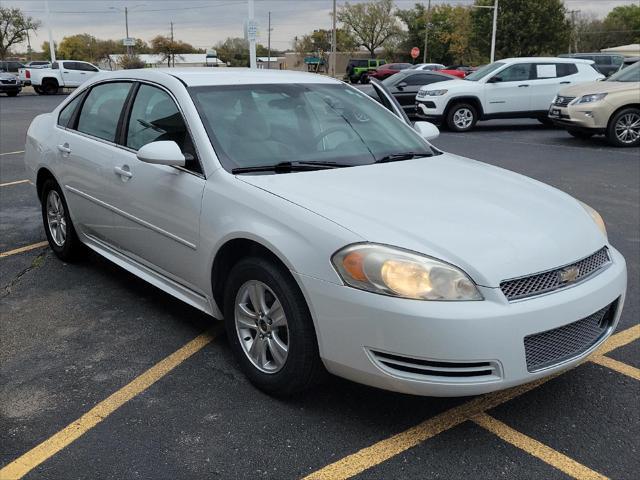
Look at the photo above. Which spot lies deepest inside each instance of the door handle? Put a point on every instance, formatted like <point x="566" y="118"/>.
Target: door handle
<point x="523" y="85"/>
<point x="123" y="171"/>
<point x="64" y="148"/>
<point x="65" y="72"/>
<point x="83" y="73"/>
<point x="564" y="83"/>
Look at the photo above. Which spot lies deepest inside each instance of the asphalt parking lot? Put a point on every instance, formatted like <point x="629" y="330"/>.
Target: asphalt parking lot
<point x="104" y="376"/>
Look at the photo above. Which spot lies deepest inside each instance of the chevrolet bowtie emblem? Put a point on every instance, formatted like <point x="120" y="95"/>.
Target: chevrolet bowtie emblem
<point x="569" y="274"/>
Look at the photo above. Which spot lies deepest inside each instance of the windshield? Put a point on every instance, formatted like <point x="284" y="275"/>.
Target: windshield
<point x="629" y="74"/>
<point x="484" y="71"/>
<point x="263" y="125"/>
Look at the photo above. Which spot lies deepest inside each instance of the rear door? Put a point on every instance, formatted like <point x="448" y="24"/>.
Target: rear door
<point x="86" y="71"/>
<point x="71" y="74"/>
<point x="510" y="92"/>
<point x="549" y="79"/>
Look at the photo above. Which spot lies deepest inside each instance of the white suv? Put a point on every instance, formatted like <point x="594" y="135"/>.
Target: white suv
<point x="510" y="88"/>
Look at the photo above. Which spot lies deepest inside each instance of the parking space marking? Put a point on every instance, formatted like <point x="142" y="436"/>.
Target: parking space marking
<point x="536" y="448"/>
<point x="27" y="462"/>
<point x="11" y="153"/>
<point x="17" y="182"/>
<point x="26" y="248"/>
<point x="617" y="365"/>
<point x="383" y="450"/>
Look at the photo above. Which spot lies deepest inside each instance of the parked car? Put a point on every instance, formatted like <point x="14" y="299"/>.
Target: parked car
<point x="428" y="66"/>
<point x="22" y="75"/>
<point x="387" y="70"/>
<point x="611" y="108"/>
<point x="405" y="85"/>
<point x="10" y="66"/>
<point x="61" y="74"/>
<point x="348" y="243"/>
<point x="605" y="63"/>
<point x="10" y="84"/>
<point x="510" y="88"/>
<point x="357" y="69"/>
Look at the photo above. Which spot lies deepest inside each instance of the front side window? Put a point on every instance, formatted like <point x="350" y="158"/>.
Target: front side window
<point x="68" y="111"/>
<point x="155" y="117"/>
<point x="516" y="73"/>
<point x="483" y="71"/>
<point x="263" y="125"/>
<point x="101" y="110"/>
<point x="424" y="79"/>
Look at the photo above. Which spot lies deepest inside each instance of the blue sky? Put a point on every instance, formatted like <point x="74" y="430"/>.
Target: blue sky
<point x="205" y="22"/>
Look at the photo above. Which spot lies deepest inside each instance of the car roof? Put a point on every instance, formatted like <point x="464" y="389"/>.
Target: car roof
<point x="545" y="60"/>
<point x="204" y="76"/>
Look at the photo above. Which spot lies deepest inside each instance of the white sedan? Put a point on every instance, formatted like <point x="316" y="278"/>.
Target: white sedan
<point x="326" y="230"/>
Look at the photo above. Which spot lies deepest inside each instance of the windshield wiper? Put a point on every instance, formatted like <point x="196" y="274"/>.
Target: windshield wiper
<point x="286" y="167"/>
<point x="397" y="157"/>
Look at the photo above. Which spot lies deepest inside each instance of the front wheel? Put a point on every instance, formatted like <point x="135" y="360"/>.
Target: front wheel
<point x="624" y="128"/>
<point x="270" y="329"/>
<point x="58" y="226"/>
<point x="462" y="117"/>
<point x="12" y="94"/>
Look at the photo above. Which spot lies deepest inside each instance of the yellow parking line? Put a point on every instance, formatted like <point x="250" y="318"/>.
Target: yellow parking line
<point x="24" y="464"/>
<point x="23" y="249"/>
<point x="12" y="153"/>
<point x="17" y="182"/>
<point x="385" y="449"/>
<point x="616" y="365"/>
<point x="536" y="448"/>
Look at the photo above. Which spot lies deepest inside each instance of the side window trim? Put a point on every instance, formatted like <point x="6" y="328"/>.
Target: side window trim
<point x="76" y="116"/>
<point x="125" y="116"/>
<point x="73" y="118"/>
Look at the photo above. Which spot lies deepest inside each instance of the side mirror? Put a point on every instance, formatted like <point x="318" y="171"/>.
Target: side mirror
<point x="401" y="85"/>
<point x="495" y="79"/>
<point x="427" y="130"/>
<point x="164" y="152"/>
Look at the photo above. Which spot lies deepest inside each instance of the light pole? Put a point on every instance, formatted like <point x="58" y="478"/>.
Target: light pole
<point x="427" y="24"/>
<point x="495" y="26"/>
<point x="334" y="42"/>
<point x="126" y="21"/>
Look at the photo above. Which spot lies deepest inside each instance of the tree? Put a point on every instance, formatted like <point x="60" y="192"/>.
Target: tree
<point x="14" y="28"/>
<point x="169" y="48"/>
<point x="235" y="51"/>
<point x="524" y="28"/>
<point x="320" y="41"/>
<point x="620" y="27"/>
<point x="371" y="24"/>
<point x="131" y="61"/>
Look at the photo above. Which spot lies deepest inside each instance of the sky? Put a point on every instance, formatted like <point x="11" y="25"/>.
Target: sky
<point x="203" y="23"/>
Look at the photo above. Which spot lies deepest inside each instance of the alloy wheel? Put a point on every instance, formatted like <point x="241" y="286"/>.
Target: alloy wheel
<point x="463" y="118"/>
<point x="56" y="220"/>
<point x="261" y="325"/>
<point x="627" y="128"/>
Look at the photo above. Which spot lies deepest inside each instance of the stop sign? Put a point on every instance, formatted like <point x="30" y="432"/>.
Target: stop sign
<point x="415" y="51"/>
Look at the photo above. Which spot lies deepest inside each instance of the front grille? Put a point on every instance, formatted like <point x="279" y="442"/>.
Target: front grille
<point x="8" y="82"/>
<point x="555" y="346"/>
<point x="399" y="364"/>
<point x="553" y="279"/>
<point x="563" y="101"/>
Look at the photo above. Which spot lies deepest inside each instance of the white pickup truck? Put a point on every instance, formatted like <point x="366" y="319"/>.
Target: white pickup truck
<point x="61" y="74"/>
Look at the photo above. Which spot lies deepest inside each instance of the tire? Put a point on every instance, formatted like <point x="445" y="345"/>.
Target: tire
<point x="547" y="122"/>
<point x="301" y="367"/>
<point x="38" y="90"/>
<point x="624" y="128"/>
<point x="364" y="78"/>
<point x="50" y="86"/>
<point x="353" y="79"/>
<point x="582" y="134"/>
<point x="66" y="246"/>
<point x="461" y="117"/>
<point x="12" y="94"/>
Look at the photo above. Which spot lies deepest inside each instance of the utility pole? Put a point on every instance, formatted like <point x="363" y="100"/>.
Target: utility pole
<point x="426" y="32"/>
<point x="269" y="44"/>
<point x="334" y="42"/>
<point x="251" y="34"/>
<point x="573" y="38"/>
<point x="126" y="28"/>
<point x="52" y="48"/>
<point x="493" y="32"/>
<point x="172" y="57"/>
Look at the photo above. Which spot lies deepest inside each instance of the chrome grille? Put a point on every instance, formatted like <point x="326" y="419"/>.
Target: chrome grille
<point x="555" y="346"/>
<point x="552" y="279"/>
<point x="563" y="101"/>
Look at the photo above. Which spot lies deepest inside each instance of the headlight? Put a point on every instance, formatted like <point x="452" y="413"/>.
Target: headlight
<point x="594" y="97"/>
<point x="434" y="93"/>
<point x="597" y="218"/>
<point x="400" y="273"/>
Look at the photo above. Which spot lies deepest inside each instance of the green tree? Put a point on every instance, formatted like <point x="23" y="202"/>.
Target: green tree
<point x="14" y="28"/>
<point x="524" y="28"/>
<point x="371" y="24"/>
<point x="620" y="27"/>
<point x="169" y="48"/>
<point x="320" y="41"/>
<point x="235" y="51"/>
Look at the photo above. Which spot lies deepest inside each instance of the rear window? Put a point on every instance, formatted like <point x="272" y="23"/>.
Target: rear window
<point x="101" y="110"/>
<point x="359" y="63"/>
<point x="67" y="112"/>
<point x="565" y="69"/>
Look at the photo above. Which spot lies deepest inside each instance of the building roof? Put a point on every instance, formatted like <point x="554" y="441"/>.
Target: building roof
<point x="631" y="50"/>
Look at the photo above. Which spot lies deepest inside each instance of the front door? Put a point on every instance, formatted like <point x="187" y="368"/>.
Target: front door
<point x="157" y="218"/>
<point x="509" y="90"/>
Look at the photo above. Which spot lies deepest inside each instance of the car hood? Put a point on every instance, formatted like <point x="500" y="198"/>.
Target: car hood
<point x="597" y="87"/>
<point x="492" y="223"/>
<point x="449" y="84"/>
<point x="7" y="76"/>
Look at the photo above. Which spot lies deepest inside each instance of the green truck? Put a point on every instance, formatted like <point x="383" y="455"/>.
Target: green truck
<point x="358" y="69"/>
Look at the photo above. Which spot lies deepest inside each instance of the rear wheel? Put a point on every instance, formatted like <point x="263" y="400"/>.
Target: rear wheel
<point x="38" y="90"/>
<point x="269" y="327"/>
<point x="12" y="94"/>
<point x="58" y="226"/>
<point x="583" y="134"/>
<point x="461" y="117"/>
<point x="364" y="78"/>
<point x="50" y="86"/>
<point x="624" y="128"/>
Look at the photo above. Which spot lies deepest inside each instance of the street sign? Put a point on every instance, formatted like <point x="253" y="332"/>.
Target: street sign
<point x="415" y="51"/>
<point x="251" y="30"/>
<point x="129" y="42"/>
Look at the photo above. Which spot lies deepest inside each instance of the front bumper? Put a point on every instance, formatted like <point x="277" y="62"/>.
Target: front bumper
<point x="591" y="117"/>
<point x="431" y="108"/>
<point x="353" y="326"/>
<point x="10" y="87"/>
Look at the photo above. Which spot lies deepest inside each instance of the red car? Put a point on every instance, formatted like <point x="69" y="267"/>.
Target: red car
<point x="384" y="71"/>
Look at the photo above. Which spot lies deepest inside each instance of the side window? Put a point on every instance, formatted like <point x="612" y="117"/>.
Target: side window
<point x="101" y="110"/>
<point x="85" y="67"/>
<point x="68" y="111"/>
<point x="70" y="66"/>
<point x="516" y="73"/>
<point x="603" y="60"/>
<point x="155" y="117"/>
<point x="566" y="69"/>
<point x="546" y="70"/>
<point x="423" y="79"/>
